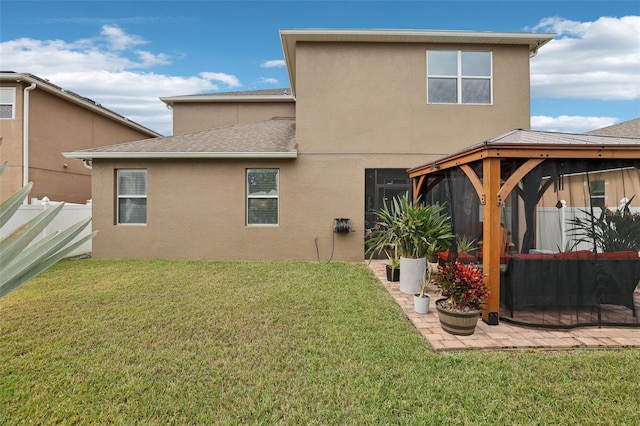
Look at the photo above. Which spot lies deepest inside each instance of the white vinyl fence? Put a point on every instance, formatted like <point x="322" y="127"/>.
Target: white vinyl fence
<point x="553" y="227"/>
<point x="70" y="215"/>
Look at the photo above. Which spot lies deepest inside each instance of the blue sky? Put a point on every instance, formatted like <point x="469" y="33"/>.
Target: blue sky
<point x="127" y="54"/>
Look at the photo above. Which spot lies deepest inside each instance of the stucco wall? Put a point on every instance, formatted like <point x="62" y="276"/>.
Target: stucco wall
<point x="358" y="106"/>
<point x="197" y="208"/>
<point x="190" y="117"/>
<point x="355" y="97"/>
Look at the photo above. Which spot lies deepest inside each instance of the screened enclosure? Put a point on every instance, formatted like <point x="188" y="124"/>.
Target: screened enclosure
<point x="552" y="219"/>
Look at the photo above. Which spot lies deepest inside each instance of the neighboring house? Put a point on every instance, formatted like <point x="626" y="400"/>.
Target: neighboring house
<point x="606" y="188"/>
<point x="626" y="129"/>
<point x="267" y="174"/>
<point x="39" y="121"/>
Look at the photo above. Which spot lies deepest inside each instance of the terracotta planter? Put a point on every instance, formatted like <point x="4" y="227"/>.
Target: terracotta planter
<point x="456" y="322"/>
<point x="393" y="275"/>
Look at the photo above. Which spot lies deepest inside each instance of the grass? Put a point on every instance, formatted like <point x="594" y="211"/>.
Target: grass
<point x="203" y="342"/>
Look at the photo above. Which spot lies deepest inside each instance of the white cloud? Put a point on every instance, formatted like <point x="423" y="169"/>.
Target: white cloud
<point x="229" y="80"/>
<point x="588" y="60"/>
<point x="571" y="124"/>
<point x="118" y="39"/>
<point x="267" y="80"/>
<point x="112" y="71"/>
<point x="277" y="63"/>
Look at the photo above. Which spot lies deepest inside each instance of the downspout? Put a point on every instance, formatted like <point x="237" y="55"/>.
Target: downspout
<point x="25" y="137"/>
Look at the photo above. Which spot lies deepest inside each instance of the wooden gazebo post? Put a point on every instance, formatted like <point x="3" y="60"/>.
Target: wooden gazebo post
<point x="492" y="239"/>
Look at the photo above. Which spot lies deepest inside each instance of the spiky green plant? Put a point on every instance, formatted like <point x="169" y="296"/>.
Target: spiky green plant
<point x="20" y="261"/>
<point x="413" y="228"/>
<point x="617" y="230"/>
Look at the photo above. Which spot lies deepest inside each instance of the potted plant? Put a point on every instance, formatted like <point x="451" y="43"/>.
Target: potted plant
<point x="393" y="266"/>
<point x="465" y="244"/>
<point x="466" y="248"/>
<point x="412" y="228"/>
<point x="421" y="301"/>
<point x="465" y="291"/>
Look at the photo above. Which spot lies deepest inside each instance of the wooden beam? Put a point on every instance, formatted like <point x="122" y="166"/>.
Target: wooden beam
<point x="544" y="188"/>
<point x="516" y="177"/>
<point x="475" y="181"/>
<point x="434" y="182"/>
<point x="417" y="184"/>
<point x="491" y="239"/>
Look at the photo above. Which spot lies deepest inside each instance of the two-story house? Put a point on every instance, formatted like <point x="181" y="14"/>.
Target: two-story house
<point x="39" y="121"/>
<point x="282" y="174"/>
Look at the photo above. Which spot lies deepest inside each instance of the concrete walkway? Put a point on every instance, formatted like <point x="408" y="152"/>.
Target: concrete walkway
<point x="504" y="335"/>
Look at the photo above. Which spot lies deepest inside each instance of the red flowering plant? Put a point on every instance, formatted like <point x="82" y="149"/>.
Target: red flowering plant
<point x="463" y="285"/>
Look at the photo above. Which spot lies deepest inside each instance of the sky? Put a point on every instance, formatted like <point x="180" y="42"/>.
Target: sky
<point x="125" y="55"/>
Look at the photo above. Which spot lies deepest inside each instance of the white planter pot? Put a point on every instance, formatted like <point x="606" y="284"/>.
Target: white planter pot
<point x="412" y="274"/>
<point x="421" y="304"/>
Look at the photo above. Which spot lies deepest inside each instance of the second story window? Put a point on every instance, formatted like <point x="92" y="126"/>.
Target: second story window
<point x="7" y="103"/>
<point x="459" y="77"/>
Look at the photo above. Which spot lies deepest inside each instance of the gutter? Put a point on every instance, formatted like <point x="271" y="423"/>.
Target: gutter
<point x="226" y="98"/>
<point x="25" y="136"/>
<point x="87" y="156"/>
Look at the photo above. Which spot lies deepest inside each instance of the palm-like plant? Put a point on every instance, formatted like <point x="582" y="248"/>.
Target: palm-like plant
<point x="610" y="231"/>
<point x="19" y="261"/>
<point x="412" y="228"/>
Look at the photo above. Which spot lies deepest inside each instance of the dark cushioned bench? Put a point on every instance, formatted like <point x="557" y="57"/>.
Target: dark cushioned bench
<point x="570" y="279"/>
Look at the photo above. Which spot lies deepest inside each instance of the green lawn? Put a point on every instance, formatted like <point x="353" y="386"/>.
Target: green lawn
<point x="180" y="342"/>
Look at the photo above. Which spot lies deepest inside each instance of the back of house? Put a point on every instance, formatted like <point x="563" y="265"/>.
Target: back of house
<point x="296" y="173"/>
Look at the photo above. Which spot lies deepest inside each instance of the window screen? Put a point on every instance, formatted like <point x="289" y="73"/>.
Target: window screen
<point x="132" y="196"/>
<point x="262" y="196"/>
<point x="7" y="102"/>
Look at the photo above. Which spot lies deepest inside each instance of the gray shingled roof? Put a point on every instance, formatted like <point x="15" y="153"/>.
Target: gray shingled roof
<point x="273" y="138"/>
<point x="629" y="128"/>
<point x="536" y="138"/>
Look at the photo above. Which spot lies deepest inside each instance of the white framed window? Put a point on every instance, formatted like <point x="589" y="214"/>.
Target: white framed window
<point x="263" y="196"/>
<point x="596" y="193"/>
<point x="7" y="103"/>
<point x="131" y="194"/>
<point x="459" y="77"/>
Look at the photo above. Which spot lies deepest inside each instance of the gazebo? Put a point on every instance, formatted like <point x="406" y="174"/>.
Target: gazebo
<point x="554" y="221"/>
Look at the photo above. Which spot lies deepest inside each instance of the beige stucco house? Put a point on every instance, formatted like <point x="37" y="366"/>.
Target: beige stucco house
<point x="39" y="121"/>
<point x="267" y="174"/>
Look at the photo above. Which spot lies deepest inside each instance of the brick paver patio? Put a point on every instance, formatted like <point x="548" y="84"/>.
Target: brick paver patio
<point x="504" y="335"/>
